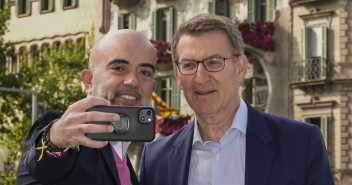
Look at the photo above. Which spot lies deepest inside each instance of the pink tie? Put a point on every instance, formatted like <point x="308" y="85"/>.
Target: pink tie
<point x="122" y="168"/>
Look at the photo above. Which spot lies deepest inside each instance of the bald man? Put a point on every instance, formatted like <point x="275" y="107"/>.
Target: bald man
<point x="121" y="72"/>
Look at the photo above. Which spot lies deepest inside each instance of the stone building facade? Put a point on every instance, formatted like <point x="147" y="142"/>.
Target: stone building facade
<point x="320" y="81"/>
<point x="35" y="24"/>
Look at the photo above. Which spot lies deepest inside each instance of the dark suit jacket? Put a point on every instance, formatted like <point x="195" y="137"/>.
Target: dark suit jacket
<point x="279" y="151"/>
<point x="87" y="166"/>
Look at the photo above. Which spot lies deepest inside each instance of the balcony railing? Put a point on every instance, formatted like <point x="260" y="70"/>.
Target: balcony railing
<point x="313" y="69"/>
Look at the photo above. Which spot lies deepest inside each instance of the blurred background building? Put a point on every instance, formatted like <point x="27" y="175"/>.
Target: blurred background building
<point x="299" y="51"/>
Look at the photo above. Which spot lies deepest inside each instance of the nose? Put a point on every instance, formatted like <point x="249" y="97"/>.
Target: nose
<point x="131" y="80"/>
<point x="202" y="75"/>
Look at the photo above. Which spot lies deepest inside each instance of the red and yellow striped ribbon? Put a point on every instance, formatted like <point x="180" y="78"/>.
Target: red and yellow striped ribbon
<point x="165" y="111"/>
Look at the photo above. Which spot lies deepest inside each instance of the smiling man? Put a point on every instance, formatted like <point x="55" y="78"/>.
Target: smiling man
<point x="229" y="142"/>
<point x="121" y="72"/>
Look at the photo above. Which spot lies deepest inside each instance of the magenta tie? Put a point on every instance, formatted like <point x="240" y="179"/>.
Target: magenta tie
<point x="122" y="168"/>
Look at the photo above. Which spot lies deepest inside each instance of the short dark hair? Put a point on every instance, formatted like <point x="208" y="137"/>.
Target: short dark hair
<point x="204" y="23"/>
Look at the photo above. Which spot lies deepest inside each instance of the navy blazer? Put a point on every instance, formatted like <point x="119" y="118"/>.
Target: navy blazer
<point x="87" y="166"/>
<point x="279" y="151"/>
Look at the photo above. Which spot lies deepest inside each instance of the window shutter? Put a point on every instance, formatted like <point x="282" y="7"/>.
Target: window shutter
<point x="63" y="3"/>
<point x="212" y="7"/>
<point x="41" y="5"/>
<point x="170" y="25"/>
<point x="308" y="42"/>
<point x="18" y="7"/>
<point x="251" y="10"/>
<point x="304" y="51"/>
<point x="51" y="5"/>
<point x="154" y="25"/>
<point x="120" y="22"/>
<point x="304" y="43"/>
<point x="158" y="92"/>
<point x="175" y="94"/>
<point x="324" y="129"/>
<point x="132" y="21"/>
<point x="28" y="6"/>
<point x="323" y="63"/>
<point x="226" y="6"/>
<point x="158" y="87"/>
<point x="270" y="10"/>
<point x="74" y="3"/>
<point x="324" y="42"/>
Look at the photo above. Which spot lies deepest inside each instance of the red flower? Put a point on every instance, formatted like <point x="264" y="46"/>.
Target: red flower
<point x="162" y="50"/>
<point x="168" y="125"/>
<point x="258" y="34"/>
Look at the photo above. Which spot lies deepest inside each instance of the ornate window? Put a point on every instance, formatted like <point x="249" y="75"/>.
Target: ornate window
<point x="45" y="46"/>
<point x="2" y="4"/>
<point x="23" y="7"/>
<point x="46" y="6"/>
<point x="322" y="123"/>
<point x="219" y="7"/>
<point x="163" y="24"/>
<point x="254" y="88"/>
<point x="34" y="52"/>
<point x="68" y="4"/>
<point x="168" y="91"/>
<point x="127" y="21"/>
<point x="314" y="45"/>
<point x="262" y="10"/>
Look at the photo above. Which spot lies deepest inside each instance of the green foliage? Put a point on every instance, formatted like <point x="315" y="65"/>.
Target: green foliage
<point x="56" y="75"/>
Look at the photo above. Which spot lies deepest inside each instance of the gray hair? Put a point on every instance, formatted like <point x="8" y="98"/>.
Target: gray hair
<point x="204" y="23"/>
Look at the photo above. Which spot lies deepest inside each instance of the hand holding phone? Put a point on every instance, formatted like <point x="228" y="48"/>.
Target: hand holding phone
<point x="137" y="123"/>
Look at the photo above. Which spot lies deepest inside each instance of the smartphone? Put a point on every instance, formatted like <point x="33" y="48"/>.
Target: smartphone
<point x="137" y="123"/>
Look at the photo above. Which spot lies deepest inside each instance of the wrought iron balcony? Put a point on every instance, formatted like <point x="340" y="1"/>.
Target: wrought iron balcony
<point x="315" y="70"/>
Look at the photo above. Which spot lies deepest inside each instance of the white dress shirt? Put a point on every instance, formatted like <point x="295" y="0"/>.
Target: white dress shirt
<point x="120" y="148"/>
<point x="221" y="163"/>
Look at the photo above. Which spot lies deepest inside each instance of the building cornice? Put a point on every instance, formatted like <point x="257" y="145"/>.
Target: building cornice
<point x="317" y="14"/>
<point x="51" y="37"/>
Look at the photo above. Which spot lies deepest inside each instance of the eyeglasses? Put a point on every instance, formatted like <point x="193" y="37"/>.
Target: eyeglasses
<point x="214" y="64"/>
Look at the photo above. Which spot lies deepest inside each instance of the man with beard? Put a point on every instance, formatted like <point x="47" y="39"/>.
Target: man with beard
<point x="121" y="72"/>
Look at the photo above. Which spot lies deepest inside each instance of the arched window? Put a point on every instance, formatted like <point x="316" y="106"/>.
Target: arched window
<point x="34" y="52"/>
<point x="254" y="88"/>
<point x="56" y="44"/>
<point x="45" y="46"/>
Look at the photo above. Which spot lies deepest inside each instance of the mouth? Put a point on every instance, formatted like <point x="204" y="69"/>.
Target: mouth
<point x="128" y="98"/>
<point x="206" y="92"/>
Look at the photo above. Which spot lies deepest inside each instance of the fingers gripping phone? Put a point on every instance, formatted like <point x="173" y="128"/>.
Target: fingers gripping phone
<point x="137" y="123"/>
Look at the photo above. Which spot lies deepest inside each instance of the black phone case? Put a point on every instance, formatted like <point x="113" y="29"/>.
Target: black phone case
<point x="137" y="131"/>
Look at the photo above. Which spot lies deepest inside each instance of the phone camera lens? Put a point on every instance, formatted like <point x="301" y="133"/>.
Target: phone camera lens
<point x="142" y="118"/>
<point x="149" y="113"/>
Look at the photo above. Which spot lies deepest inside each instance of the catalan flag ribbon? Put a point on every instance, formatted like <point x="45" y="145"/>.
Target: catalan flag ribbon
<point x="165" y="111"/>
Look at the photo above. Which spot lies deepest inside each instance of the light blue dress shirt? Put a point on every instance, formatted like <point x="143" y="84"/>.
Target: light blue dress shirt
<point x="221" y="163"/>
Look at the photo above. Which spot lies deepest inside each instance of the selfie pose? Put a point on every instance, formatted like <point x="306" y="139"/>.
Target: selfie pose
<point x="121" y="72"/>
<point x="229" y="141"/>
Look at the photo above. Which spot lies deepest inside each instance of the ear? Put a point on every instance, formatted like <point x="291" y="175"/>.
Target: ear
<point x="241" y="67"/>
<point x="87" y="77"/>
<point x="154" y="85"/>
<point x="177" y="77"/>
